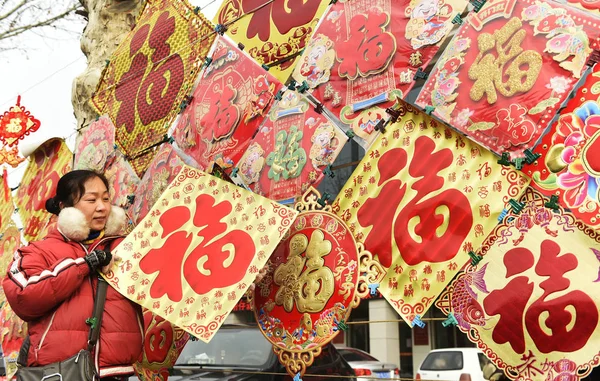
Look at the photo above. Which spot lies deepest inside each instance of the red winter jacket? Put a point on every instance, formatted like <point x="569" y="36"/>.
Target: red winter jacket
<point x="49" y="286"/>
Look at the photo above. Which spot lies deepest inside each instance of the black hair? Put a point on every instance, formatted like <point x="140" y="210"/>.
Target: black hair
<point x="70" y="188"/>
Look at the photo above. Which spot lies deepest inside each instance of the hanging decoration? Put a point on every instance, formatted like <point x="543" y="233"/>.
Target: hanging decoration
<point x="163" y="342"/>
<point x="12" y="329"/>
<point x="216" y="237"/>
<point x="489" y="83"/>
<point x="530" y="302"/>
<point x="570" y="164"/>
<point x="16" y="124"/>
<point x="122" y="181"/>
<point x="7" y="207"/>
<point x="160" y="174"/>
<point x="226" y="109"/>
<point x="366" y="53"/>
<point x="47" y="165"/>
<point x="150" y="74"/>
<point x="10" y="156"/>
<point x="317" y="275"/>
<point x="273" y="32"/>
<point x="96" y="147"/>
<point x="291" y="150"/>
<point x="422" y="198"/>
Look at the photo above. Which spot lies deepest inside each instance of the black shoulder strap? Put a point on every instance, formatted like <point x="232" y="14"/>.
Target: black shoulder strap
<point x="96" y="320"/>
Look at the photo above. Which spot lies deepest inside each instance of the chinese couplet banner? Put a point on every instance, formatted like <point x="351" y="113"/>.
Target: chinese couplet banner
<point x="421" y="199"/>
<point x="365" y="54"/>
<point x="151" y="72"/>
<point x="570" y="162"/>
<point x="229" y="103"/>
<point x="489" y="83"/>
<point x="531" y="304"/>
<point x="291" y="150"/>
<point x="97" y="146"/>
<point x="273" y="32"/>
<point x="46" y="166"/>
<point x="198" y="250"/>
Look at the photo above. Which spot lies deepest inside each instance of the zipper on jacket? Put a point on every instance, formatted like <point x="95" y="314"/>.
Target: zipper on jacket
<point x="44" y="335"/>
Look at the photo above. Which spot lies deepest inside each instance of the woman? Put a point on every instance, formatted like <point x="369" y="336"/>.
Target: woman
<point x="51" y="283"/>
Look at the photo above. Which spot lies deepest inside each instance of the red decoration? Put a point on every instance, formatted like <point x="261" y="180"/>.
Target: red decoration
<point x="508" y="70"/>
<point x="530" y="303"/>
<point x="291" y="150"/>
<point x="569" y="167"/>
<point x="150" y="74"/>
<point x="169" y="280"/>
<point x="431" y="247"/>
<point x="226" y="108"/>
<point x="365" y="54"/>
<point x="16" y="123"/>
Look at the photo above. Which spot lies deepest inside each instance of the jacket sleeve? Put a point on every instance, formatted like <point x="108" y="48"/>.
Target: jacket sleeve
<point x="33" y="288"/>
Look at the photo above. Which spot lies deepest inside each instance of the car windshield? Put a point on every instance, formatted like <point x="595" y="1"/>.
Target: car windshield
<point x="352" y="355"/>
<point x="237" y="347"/>
<point x="445" y="360"/>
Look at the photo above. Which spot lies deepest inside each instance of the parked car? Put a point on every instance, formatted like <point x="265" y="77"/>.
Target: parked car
<point x="237" y="353"/>
<point x="367" y="367"/>
<point x="453" y="364"/>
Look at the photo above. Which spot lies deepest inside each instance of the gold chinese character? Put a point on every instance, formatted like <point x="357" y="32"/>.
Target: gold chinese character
<point x="311" y="289"/>
<point x="488" y="71"/>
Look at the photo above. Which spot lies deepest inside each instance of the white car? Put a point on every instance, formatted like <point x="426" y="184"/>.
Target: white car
<point x="453" y="364"/>
<point x="367" y="367"/>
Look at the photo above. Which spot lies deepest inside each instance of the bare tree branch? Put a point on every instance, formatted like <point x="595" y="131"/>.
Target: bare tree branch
<point x="18" y="17"/>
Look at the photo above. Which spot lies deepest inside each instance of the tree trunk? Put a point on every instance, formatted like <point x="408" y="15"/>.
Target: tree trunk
<point x="109" y="22"/>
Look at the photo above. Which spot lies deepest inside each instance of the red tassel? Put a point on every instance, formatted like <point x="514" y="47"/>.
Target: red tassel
<point x="5" y="183"/>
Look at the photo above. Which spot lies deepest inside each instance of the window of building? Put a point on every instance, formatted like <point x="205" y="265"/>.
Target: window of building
<point x="447" y="337"/>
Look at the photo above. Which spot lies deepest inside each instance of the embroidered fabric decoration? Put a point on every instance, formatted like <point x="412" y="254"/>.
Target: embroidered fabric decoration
<point x="96" y="147"/>
<point x="570" y="164"/>
<point x="365" y="54"/>
<point x="273" y="33"/>
<point x="531" y="302"/>
<point x="16" y="123"/>
<point x="198" y="250"/>
<point x="150" y="73"/>
<point x="421" y="199"/>
<point x="46" y="166"/>
<point x="489" y="83"/>
<point x="228" y="104"/>
<point x="291" y="150"/>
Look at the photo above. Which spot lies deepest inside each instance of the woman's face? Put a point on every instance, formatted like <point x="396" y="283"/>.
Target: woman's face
<point x="95" y="204"/>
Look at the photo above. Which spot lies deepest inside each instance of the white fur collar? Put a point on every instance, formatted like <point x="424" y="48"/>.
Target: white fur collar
<point x="72" y="223"/>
